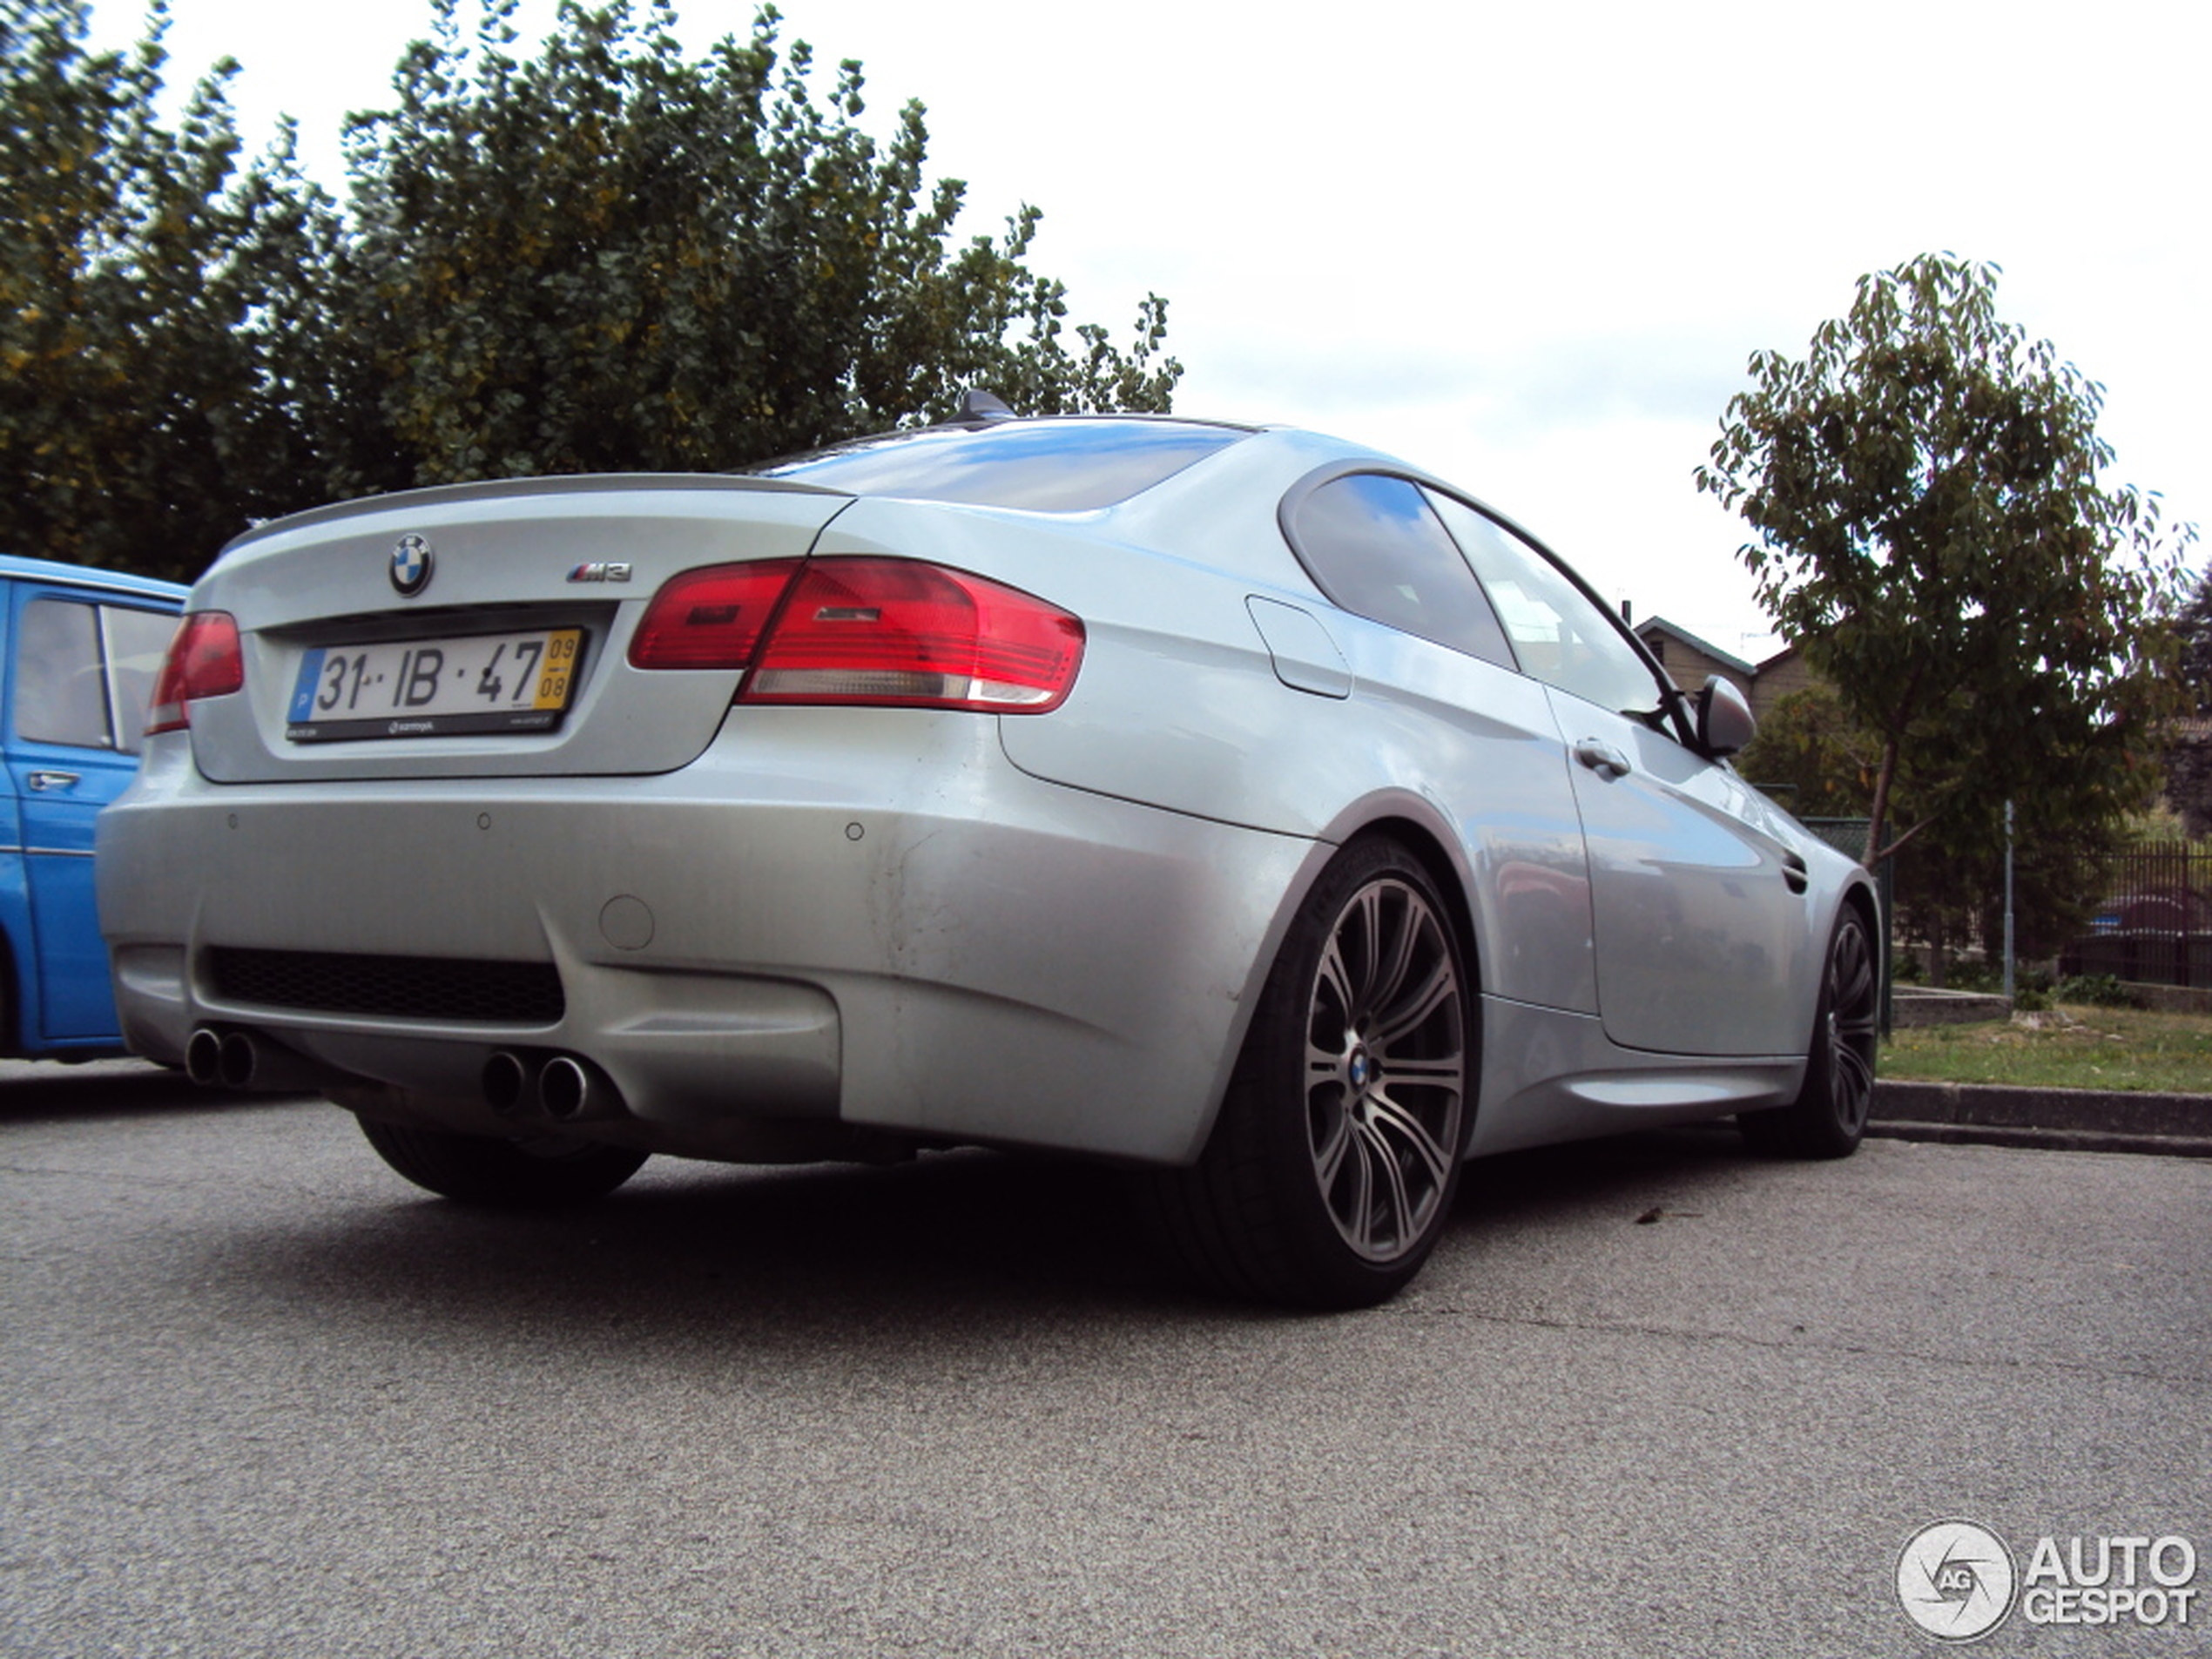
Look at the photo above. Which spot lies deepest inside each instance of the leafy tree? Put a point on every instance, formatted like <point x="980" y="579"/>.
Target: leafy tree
<point x="605" y="257"/>
<point x="2193" y="625"/>
<point x="1948" y="882"/>
<point x="2188" y="754"/>
<point x="1812" y="757"/>
<point x="609" y="257"/>
<point x="149" y="297"/>
<point x="1934" y="533"/>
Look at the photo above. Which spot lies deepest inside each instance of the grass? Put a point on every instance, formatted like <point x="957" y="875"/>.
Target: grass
<point x="2069" y="1046"/>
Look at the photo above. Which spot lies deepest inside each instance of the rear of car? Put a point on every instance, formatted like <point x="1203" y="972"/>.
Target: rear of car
<point x="673" y="812"/>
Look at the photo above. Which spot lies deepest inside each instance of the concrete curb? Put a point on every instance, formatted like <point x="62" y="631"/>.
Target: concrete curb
<point x="2084" y="1120"/>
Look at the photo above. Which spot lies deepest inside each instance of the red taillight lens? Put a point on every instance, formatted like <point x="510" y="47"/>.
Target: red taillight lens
<point x="710" y="619"/>
<point x="204" y="660"/>
<point x="892" y="630"/>
<point x="866" y="631"/>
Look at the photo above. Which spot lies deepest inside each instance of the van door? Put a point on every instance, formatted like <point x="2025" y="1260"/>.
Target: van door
<point x="78" y="679"/>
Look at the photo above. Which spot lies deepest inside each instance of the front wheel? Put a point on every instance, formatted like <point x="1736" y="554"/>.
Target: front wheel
<point x="1829" y="1117"/>
<point x="1330" y="1173"/>
<point x="528" y="1172"/>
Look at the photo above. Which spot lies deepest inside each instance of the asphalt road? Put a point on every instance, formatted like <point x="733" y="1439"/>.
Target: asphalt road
<point x="257" y="1397"/>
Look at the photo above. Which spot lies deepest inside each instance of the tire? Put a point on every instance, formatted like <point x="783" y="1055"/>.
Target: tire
<point x="532" y="1172"/>
<point x="1331" y="1171"/>
<point x="1827" y="1119"/>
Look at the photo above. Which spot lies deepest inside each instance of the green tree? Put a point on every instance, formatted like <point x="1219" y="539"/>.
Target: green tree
<point x="1948" y="882"/>
<point x="149" y="299"/>
<point x="1812" y="757"/>
<point x="604" y="257"/>
<point x="1934" y="533"/>
<point x="608" y="256"/>
<point x="2193" y="625"/>
<point x="2189" y="752"/>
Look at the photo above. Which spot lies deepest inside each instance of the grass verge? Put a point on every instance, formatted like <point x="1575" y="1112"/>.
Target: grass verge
<point x="2069" y="1046"/>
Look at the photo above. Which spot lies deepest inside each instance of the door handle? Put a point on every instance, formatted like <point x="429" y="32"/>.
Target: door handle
<point x="43" y="781"/>
<point x="1603" y="758"/>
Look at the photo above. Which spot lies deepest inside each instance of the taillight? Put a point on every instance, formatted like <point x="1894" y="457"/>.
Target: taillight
<point x="891" y="630"/>
<point x="870" y="631"/>
<point x="711" y="618"/>
<point x="204" y="660"/>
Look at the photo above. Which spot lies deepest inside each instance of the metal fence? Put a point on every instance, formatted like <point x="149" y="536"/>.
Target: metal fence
<point x="2152" y="923"/>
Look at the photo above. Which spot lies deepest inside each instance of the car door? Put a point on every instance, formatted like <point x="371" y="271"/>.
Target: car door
<point x="78" y="676"/>
<point x="1447" y="703"/>
<point x="1701" y="924"/>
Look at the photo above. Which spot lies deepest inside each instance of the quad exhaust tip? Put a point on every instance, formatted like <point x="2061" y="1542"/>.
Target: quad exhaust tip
<point x="221" y="1059"/>
<point x="239" y="1059"/>
<point x="560" y="1087"/>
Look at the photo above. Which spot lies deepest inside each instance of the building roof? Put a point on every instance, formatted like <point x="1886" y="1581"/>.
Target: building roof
<point x="1726" y="659"/>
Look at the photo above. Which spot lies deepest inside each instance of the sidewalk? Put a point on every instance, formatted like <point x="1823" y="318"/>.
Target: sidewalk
<point x="2083" y="1120"/>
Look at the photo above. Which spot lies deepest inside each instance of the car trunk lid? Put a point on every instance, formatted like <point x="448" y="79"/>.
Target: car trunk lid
<point x="480" y="630"/>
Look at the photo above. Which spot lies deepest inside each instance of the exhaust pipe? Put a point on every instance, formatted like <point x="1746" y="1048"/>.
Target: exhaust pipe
<point x="565" y="1089"/>
<point x="204" y="1056"/>
<point x="506" y="1083"/>
<point x="239" y="1060"/>
<point x="557" y="1086"/>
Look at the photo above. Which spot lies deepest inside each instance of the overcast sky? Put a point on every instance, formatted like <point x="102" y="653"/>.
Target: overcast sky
<point x="1528" y="248"/>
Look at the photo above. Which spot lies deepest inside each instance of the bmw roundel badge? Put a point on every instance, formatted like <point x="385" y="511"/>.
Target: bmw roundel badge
<point x="411" y="566"/>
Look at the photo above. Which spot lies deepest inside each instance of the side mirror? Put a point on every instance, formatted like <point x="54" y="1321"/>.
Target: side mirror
<point x="1725" y="722"/>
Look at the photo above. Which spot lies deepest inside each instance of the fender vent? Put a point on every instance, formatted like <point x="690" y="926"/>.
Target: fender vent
<point x="402" y="987"/>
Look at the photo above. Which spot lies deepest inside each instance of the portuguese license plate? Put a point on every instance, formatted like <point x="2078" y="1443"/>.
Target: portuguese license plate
<point x="435" y="688"/>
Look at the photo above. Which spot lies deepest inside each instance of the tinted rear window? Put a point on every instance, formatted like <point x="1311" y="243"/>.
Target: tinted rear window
<point x="1060" y="466"/>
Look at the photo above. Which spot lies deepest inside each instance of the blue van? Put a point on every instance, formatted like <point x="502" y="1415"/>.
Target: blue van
<point x="81" y="650"/>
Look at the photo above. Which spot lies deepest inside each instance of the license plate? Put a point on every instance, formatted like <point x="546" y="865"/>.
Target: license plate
<point x="435" y="688"/>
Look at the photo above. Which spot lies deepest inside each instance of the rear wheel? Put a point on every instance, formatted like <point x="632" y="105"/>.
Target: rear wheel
<point x="528" y="1172"/>
<point x="1330" y="1174"/>
<point x="1829" y="1117"/>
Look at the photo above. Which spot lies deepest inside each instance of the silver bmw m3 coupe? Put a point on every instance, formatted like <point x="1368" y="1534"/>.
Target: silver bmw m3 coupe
<point x="1233" y="804"/>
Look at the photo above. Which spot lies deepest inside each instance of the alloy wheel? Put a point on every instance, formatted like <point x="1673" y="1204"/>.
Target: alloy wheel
<point x="1385" y="1069"/>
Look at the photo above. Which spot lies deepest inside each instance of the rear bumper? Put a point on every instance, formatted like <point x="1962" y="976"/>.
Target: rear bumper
<point x="836" y="916"/>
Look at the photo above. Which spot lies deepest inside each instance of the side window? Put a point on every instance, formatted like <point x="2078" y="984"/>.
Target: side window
<point x="85" y="672"/>
<point x="60" y="693"/>
<point x="137" y="641"/>
<point x="1375" y="547"/>
<point x="1560" y="634"/>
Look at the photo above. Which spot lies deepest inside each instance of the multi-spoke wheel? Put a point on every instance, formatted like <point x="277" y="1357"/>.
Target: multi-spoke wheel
<point x="1829" y="1116"/>
<point x="1331" y="1172"/>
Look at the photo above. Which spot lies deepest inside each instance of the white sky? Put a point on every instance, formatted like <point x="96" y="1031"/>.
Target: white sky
<point x="1528" y="248"/>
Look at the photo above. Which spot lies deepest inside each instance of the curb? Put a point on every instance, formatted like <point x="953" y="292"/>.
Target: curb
<point x="2080" y="1120"/>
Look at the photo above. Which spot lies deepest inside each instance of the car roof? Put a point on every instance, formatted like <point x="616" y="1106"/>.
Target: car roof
<point x="84" y="576"/>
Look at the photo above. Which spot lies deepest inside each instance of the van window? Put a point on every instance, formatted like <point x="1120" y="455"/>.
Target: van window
<point x="85" y="672"/>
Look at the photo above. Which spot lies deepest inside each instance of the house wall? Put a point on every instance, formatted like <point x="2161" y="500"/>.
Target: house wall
<point x="1781" y="674"/>
<point x="1688" y="666"/>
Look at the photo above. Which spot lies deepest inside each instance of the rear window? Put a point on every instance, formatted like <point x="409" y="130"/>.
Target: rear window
<point x="1052" y="466"/>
